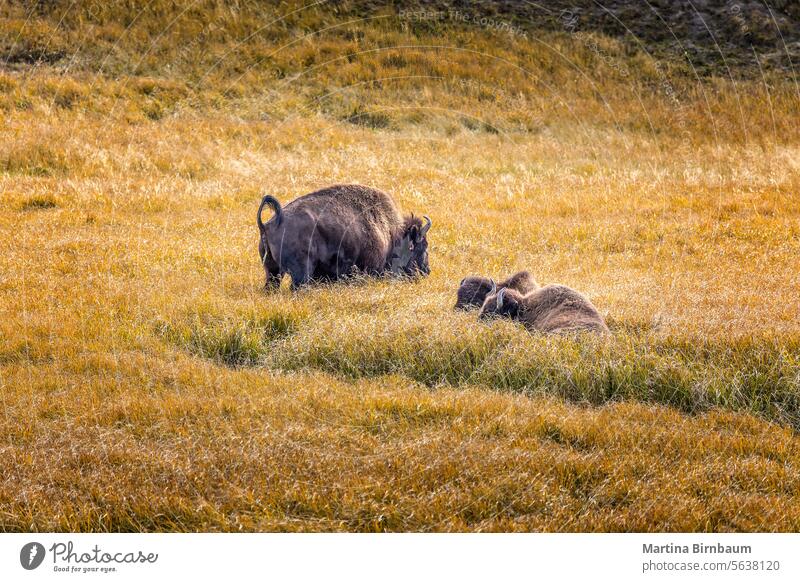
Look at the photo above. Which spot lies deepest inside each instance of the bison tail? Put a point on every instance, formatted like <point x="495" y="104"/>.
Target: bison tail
<point x="273" y="203"/>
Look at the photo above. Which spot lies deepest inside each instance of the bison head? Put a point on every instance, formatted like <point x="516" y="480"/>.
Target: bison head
<point x="410" y="253"/>
<point x="503" y="303"/>
<point x="472" y="291"/>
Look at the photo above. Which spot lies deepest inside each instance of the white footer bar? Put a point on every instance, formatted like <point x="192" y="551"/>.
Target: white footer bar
<point x="387" y="557"/>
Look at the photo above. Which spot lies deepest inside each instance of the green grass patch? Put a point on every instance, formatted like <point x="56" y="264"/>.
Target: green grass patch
<point x="756" y="375"/>
<point x="231" y="341"/>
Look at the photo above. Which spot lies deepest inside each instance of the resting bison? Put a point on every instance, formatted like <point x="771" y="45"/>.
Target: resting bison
<point x="337" y="231"/>
<point x="472" y="291"/>
<point x="551" y="309"/>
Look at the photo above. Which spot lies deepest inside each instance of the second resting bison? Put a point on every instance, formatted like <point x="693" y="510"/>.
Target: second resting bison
<point x="550" y="309"/>
<point x="339" y="231"/>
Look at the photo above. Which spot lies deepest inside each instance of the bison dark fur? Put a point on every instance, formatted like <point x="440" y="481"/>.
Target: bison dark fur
<point x="473" y="290"/>
<point x="551" y="309"/>
<point x="339" y="231"/>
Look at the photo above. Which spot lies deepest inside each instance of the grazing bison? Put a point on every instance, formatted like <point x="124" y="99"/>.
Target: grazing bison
<point x="551" y="309"/>
<point x="472" y="291"/>
<point x="336" y="231"/>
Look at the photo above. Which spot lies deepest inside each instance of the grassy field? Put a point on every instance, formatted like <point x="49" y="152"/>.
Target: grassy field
<point x="148" y="383"/>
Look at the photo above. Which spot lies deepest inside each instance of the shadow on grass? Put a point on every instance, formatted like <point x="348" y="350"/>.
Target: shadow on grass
<point x="757" y="375"/>
<point x="38" y="203"/>
<point x="233" y="342"/>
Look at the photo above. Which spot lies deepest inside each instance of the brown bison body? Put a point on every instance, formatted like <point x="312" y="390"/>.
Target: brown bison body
<point x="472" y="291"/>
<point x="551" y="309"/>
<point x="339" y="231"/>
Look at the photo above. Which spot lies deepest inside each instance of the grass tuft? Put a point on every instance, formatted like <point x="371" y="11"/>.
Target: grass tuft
<point x="39" y="202"/>
<point x="231" y="341"/>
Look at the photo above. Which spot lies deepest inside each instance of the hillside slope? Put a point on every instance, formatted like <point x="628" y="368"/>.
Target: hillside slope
<point x="401" y="65"/>
<point x="724" y="37"/>
<point x="713" y="36"/>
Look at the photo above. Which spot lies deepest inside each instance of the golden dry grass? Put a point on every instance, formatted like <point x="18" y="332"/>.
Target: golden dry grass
<point x="149" y="383"/>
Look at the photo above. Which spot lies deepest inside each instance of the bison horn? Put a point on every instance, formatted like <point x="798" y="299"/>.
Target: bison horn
<point x="426" y="227"/>
<point x="494" y="287"/>
<point x="500" y="296"/>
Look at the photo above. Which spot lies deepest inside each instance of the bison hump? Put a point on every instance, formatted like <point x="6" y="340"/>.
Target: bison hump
<point x="369" y="201"/>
